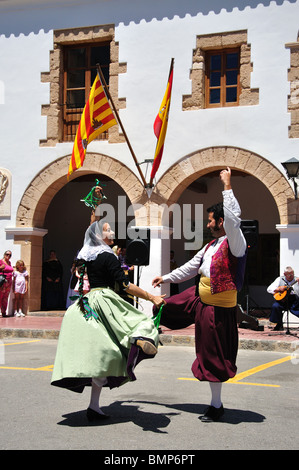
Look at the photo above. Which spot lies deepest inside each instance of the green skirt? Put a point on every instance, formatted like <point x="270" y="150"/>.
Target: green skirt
<point x="101" y="344"/>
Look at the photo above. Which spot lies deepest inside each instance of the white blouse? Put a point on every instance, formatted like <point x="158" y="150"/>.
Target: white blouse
<point x="236" y="241"/>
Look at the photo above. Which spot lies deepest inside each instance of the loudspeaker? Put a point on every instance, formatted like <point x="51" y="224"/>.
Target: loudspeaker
<point x="138" y="247"/>
<point x="250" y="229"/>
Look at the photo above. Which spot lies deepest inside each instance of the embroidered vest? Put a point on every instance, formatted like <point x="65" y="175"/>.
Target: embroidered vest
<point x="227" y="271"/>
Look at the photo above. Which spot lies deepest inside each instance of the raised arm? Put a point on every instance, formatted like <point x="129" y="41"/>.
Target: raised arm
<point x="232" y="213"/>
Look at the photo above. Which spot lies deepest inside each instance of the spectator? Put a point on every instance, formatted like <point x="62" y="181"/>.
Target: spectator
<point x="7" y="269"/>
<point x="20" y="287"/>
<point x="52" y="283"/>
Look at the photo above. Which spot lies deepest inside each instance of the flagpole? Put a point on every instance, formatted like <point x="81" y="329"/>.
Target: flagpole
<point x="150" y="184"/>
<point x="120" y="123"/>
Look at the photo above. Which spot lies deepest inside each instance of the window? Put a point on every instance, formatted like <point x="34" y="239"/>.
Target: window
<point x="72" y="71"/>
<point x="222" y="78"/>
<point x="80" y="69"/>
<point x="220" y="73"/>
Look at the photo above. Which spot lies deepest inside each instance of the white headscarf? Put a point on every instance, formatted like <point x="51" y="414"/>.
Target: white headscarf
<point x="93" y="242"/>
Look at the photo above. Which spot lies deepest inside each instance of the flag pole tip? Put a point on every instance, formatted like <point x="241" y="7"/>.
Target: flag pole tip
<point x="149" y="189"/>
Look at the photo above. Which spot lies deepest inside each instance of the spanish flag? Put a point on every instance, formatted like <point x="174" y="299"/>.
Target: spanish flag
<point x="96" y="118"/>
<point x="160" y="124"/>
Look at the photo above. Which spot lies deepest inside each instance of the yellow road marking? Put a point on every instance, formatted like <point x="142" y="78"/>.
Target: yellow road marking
<point x="254" y="370"/>
<point x="256" y="384"/>
<point x="44" y="368"/>
<point x="257" y="369"/>
<point x="21" y="342"/>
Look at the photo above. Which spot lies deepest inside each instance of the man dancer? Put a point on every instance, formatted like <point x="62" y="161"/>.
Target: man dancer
<point x="212" y="304"/>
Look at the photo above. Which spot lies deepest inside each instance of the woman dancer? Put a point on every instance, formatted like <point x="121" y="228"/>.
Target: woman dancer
<point x="103" y="337"/>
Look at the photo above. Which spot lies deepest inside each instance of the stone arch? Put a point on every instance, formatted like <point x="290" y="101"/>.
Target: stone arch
<point x="184" y="172"/>
<point x="39" y="194"/>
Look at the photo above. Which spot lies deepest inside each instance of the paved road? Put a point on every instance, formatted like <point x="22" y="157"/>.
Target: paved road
<point x="158" y="412"/>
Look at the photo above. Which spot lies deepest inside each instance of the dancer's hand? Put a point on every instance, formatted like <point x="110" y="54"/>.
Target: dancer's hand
<point x="157" y="281"/>
<point x="225" y="176"/>
<point x="157" y="300"/>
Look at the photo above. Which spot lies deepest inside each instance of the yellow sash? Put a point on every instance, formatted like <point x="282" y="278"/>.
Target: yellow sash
<point x="222" y="299"/>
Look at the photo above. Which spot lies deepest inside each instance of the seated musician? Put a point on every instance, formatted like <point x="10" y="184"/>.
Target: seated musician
<point x="285" y="290"/>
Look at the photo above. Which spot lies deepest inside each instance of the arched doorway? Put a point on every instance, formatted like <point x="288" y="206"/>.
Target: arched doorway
<point x="276" y="198"/>
<point x="191" y="167"/>
<point x="32" y="210"/>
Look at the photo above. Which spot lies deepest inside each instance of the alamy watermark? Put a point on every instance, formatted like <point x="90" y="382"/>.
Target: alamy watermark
<point x="185" y="221"/>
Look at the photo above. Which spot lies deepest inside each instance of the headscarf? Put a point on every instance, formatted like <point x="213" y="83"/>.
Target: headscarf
<point x="93" y="242"/>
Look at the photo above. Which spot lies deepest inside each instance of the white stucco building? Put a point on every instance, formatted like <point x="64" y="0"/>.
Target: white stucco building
<point x="235" y="102"/>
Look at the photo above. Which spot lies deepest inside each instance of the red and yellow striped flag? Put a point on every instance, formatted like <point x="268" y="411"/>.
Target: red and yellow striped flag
<point x="160" y="124"/>
<point x="96" y="118"/>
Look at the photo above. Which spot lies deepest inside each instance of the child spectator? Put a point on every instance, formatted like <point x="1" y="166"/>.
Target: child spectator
<point x="20" y="287"/>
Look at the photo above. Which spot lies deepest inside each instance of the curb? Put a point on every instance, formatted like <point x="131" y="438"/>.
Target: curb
<point x="244" y="343"/>
<point x="166" y="340"/>
<point x="28" y="333"/>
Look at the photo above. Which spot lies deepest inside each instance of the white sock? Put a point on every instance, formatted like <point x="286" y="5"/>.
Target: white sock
<point x="96" y="388"/>
<point x="216" y="394"/>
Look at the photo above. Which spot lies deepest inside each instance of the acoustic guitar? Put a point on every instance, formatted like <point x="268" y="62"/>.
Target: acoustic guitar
<point x="281" y="296"/>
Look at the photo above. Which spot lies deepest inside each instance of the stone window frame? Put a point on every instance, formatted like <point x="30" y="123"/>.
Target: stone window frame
<point x="217" y="41"/>
<point x="293" y="97"/>
<point x="54" y="110"/>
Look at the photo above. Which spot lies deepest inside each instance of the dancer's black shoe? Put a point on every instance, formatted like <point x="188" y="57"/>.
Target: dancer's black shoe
<point x="95" y="416"/>
<point x="212" y="414"/>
